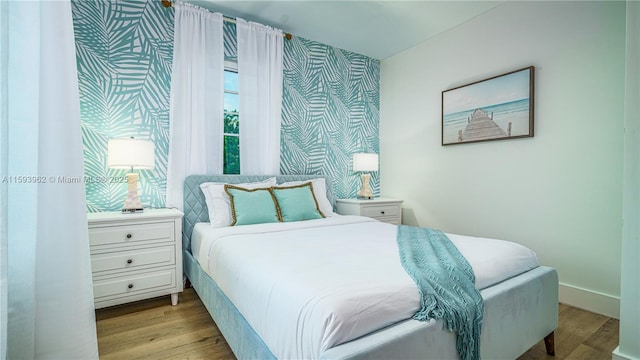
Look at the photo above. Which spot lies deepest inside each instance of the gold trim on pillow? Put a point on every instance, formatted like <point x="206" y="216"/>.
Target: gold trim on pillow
<point x="315" y="201"/>
<point x="233" y="210"/>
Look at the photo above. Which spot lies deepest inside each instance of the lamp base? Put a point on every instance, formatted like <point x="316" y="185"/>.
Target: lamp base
<point x="132" y="203"/>
<point x="365" y="192"/>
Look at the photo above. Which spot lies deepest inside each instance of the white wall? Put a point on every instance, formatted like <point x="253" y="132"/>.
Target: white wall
<point x="560" y="192"/>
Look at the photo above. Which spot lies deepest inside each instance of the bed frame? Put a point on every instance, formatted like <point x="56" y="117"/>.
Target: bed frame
<point x="518" y="312"/>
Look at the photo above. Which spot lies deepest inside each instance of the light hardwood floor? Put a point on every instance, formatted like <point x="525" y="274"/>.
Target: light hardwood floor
<point x="153" y="329"/>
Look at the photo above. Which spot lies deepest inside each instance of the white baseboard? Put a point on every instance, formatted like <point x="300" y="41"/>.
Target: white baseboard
<point x="590" y="300"/>
<point x="617" y="355"/>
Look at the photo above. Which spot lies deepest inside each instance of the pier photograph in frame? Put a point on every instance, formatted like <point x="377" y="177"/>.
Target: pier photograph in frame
<point x="497" y="108"/>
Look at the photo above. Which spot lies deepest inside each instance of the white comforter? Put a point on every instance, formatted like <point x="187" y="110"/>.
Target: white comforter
<point x="308" y="286"/>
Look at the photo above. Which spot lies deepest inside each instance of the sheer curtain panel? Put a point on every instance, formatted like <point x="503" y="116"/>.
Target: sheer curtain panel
<point x="260" y="106"/>
<point x="629" y="346"/>
<point x="4" y="139"/>
<point x="197" y="87"/>
<point x="49" y="312"/>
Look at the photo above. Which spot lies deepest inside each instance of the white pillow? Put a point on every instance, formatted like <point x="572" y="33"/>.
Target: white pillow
<point x="319" y="191"/>
<point x="219" y="204"/>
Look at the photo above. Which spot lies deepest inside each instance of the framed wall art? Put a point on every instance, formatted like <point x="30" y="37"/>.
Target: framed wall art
<point x="497" y="108"/>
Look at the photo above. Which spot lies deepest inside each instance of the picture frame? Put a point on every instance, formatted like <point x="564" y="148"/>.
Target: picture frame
<point x="497" y="108"/>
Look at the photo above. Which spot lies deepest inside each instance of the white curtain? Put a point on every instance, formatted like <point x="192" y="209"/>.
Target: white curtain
<point x="46" y="272"/>
<point x="260" y="87"/>
<point x="4" y="67"/>
<point x="629" y="346"/>
<point x="197" y="93"/>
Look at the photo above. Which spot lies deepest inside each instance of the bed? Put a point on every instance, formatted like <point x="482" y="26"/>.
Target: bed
<point x="519" y="310"/>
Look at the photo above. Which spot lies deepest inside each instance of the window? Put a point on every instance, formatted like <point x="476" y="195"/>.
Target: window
<point x="231" y="120"/>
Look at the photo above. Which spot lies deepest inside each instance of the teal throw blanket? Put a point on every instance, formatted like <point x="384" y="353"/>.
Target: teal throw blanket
<point x="446" y="284"/>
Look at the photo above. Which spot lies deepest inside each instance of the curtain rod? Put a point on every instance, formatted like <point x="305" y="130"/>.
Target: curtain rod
<point x="168" y="4"/>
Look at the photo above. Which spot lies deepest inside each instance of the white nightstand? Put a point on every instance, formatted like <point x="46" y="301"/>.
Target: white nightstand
<point x="135" y="256"/>
<point x="383" y="209"/>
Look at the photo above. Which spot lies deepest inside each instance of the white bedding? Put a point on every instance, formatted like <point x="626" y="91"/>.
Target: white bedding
<point x="307" y="286"/>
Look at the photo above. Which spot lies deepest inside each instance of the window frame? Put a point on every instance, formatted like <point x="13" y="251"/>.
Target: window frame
<point x="230" y="66"/>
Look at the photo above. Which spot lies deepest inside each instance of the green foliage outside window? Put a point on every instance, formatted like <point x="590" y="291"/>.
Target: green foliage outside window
<point x="231" y="143"/>
<point x="231" y="124"/>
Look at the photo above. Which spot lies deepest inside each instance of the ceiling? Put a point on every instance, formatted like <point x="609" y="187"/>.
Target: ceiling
<point x="378" y="29"/>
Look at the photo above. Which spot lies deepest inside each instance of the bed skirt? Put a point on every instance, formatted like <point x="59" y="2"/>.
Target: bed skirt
<point x="518" y="313"/>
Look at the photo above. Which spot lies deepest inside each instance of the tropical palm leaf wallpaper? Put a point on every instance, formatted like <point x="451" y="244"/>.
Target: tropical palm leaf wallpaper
<point x="330" y="110"/>
<point x="124" y="51"/>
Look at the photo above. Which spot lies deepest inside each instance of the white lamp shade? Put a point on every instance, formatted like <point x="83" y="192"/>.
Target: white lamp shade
<point x="365" y="162"/>
<point x="130" y="153"/>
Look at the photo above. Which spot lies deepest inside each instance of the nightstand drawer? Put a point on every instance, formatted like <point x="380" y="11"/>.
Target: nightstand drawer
<point x="133" y="259"/>
<point x="380" y="210"/>
<point x="135" y="256"/>
<point x="131" y="234"/>
<point x="134" y="283"/>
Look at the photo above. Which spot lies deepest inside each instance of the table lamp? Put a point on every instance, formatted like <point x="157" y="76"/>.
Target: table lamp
<point x="131" y="154"/>
<point x="365" y="163"/>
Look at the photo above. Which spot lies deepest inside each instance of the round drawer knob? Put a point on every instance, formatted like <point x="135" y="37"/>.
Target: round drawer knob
<point x="382" y="212"/>
<point x="129" y="261"/>
<point x="129" y="236"/>
<point x="130" y="286"/>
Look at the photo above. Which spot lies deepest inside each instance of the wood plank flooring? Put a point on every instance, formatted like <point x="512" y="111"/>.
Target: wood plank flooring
<point x="153" y="329"/>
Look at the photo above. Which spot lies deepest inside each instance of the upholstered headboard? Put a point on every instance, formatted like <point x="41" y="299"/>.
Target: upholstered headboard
<point x="195" y="208"/>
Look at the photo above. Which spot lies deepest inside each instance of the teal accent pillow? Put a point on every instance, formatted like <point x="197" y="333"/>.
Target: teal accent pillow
<point x="252" y="206"/>
<point x="297" y="203"/>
